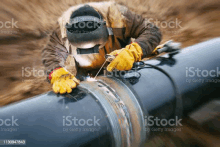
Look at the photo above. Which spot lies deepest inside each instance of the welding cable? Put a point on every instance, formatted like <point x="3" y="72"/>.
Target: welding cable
<point x="178" y="102"/>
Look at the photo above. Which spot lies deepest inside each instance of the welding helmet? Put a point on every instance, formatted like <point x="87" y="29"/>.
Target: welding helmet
<point x="87" y="30"/>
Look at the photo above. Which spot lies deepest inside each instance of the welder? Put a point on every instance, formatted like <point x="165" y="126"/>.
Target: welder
<point x="86" y="33"/>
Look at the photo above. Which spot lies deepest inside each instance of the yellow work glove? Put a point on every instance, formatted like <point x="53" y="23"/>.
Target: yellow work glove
<point x="63" y="81"/>
<point x="124" y="58"/>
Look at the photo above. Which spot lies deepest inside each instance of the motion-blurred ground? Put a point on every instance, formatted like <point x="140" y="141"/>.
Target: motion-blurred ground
<point x="20" y="47"/>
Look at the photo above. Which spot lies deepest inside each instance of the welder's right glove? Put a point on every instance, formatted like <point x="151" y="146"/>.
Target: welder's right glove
<point x="124" y="58"/>
<point x="62" y="81"/>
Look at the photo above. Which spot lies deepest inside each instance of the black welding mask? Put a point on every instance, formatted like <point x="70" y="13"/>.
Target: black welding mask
<point x="87" y="30"/>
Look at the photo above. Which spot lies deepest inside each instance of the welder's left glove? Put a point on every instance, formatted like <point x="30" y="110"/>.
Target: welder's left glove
<point x="62" y="80"/>
<point x="124" y="58"/>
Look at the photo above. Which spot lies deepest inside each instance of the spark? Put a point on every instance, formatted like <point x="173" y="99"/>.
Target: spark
<point x="88" y="78"/>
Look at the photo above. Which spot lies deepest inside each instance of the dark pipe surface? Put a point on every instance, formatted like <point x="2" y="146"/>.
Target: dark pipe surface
<point x="41" y="119"/>
<point x="155" y="90"/>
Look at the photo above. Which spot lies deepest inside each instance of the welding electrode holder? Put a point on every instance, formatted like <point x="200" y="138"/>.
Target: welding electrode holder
<point x="132" y="76"/>
<point x="170" y="47"/>
<point x="109" y="58"/>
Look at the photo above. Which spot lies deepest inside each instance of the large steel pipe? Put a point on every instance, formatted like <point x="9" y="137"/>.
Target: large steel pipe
<point x="112" y="111"/>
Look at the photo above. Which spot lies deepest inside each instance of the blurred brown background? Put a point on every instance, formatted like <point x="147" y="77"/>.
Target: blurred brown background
<point x="20" y="46"/>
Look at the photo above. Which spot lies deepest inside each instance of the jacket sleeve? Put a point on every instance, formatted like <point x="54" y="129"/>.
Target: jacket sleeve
<point x="146" y="34"/>
<point x="55" y="53"/>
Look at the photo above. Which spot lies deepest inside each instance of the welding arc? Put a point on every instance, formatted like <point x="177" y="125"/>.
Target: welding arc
<point x="100" y="69"/>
